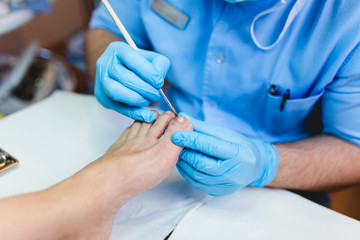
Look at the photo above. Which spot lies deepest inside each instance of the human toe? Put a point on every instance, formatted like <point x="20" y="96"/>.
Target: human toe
<point x="180" y="123"/>
<point x="145" y="127"/>
<point x="160" y="125"/>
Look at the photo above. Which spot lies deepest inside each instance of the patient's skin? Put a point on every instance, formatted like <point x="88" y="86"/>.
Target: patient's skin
<point x="85" y="205"/>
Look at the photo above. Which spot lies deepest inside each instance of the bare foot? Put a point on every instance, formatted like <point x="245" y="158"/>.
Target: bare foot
<point x="85" y="205"/>
<point x="140" y="159"/>
<point x="146" y="151"/>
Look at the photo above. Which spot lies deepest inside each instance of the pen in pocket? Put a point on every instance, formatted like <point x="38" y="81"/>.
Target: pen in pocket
<point x="285" y="97"/>
<point x="273" y="90"/>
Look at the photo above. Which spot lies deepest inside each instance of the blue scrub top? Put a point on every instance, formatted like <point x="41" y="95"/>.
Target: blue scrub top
<point x="220" y="75"/>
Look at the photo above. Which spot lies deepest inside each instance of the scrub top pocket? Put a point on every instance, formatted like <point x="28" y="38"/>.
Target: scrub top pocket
<point x="292" y="120"/>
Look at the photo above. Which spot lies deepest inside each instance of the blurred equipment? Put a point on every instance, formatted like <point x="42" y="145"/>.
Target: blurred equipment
<point x="15" y="13"/>
<point x="6" y="161"/>
<point x="30" y="77"/>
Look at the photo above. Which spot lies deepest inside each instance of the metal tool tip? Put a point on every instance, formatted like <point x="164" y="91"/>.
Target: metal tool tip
<point x="173" y="110"/>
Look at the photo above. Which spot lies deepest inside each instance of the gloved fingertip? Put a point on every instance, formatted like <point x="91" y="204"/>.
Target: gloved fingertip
<point x="180" y="163"/>
<point x="160" y="82"/>
<point x="156" y="80"/>
<point x="149" y="117"/>
<point x="142" y="115"/>
<point x="144" y="103"/>
<point x="181" y="155"/>
<point x="177" y="137"/>
<point x="157" y="98"/>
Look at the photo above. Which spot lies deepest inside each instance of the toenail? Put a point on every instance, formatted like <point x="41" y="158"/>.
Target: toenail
<point x="180" y="119"/>
<point x="170" y="113"/>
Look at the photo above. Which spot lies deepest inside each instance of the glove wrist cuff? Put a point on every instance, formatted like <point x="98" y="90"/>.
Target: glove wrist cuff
<point x="270" y="158"/>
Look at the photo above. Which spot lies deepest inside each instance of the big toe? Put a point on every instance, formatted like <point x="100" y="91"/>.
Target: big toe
<point x="178" y="124"/>
<point x="166" y="150"/>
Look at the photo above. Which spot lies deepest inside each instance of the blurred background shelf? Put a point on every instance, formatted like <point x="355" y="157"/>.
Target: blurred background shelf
<point x="55" y="31"/>
<point x="50" y="29"/>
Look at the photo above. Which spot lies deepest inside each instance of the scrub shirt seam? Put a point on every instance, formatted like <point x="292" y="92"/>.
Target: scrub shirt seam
<point x="221" y="12"/>
<point x="146" y="33"/>
<point x="355" y="52"/>
<point x="208" y="62"/>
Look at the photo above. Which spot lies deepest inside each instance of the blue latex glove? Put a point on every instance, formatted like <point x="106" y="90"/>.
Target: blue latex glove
<point x="127" y="80"/>
<point x="220" y="161"/>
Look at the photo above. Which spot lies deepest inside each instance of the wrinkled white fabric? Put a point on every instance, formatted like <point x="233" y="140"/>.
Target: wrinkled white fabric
<point x="155" y="213"/>
<point x="271" y="214"/>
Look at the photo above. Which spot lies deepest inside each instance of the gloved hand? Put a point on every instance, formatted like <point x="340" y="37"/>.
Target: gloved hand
<point x="127" y="79"/>
<point x="220" y="161"/>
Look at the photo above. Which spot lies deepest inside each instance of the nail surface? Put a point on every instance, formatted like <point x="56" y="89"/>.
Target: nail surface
<point x="180" y="119"/>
